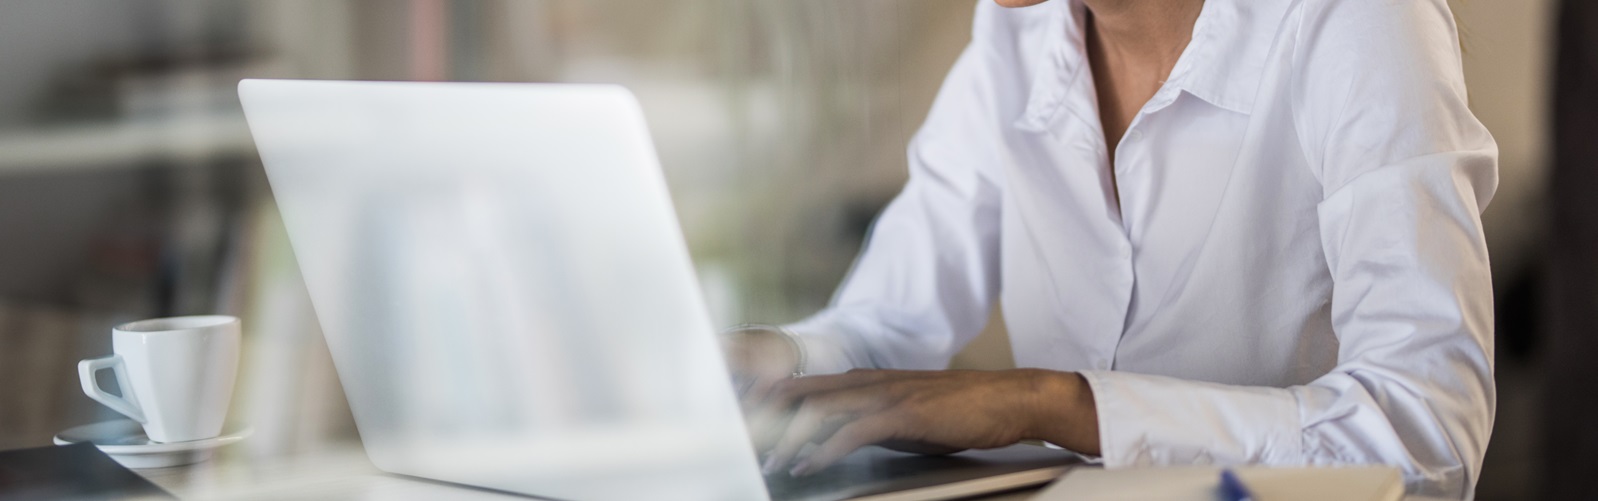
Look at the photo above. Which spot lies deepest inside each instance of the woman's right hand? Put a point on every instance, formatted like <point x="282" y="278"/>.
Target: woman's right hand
<point x="759" y="357"/>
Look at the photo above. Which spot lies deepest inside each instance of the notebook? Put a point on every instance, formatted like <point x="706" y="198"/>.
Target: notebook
<point x="1202" y="483"/>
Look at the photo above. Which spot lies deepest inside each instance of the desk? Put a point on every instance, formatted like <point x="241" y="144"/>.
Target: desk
<point x="336" y="473"/>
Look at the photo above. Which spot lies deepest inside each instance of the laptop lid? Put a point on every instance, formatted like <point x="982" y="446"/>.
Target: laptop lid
<point x="500" y="277"/>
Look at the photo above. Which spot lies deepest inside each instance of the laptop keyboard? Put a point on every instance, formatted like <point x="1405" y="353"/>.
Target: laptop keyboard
<point x="874" y="470"/>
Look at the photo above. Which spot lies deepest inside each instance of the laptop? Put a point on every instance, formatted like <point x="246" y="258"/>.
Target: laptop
<point x="510" y="304"/>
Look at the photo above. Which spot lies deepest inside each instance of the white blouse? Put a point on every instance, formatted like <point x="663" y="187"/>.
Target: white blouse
<point x="1294" y="274"/>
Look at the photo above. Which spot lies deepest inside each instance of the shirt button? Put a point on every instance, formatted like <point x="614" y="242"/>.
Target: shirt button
<point x="1134" y="135"/>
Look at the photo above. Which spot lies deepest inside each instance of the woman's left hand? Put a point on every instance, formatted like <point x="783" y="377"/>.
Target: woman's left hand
<point x="925" y="411"/>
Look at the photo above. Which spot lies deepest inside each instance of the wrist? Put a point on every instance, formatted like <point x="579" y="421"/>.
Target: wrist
<point x="1061" y="410"/>
<point x="775" y="345"/>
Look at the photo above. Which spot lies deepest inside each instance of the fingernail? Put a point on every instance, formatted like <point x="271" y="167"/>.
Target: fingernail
<point x="770" y="465"/>
<point x="801" y="469"/>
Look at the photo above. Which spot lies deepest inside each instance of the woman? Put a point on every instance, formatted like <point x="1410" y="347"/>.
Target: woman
<point x="1223" y="231"/>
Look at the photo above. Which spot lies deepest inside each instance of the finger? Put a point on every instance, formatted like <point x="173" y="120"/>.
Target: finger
<point x="820" y="413"/>
<point x="794" y="436"/>
<point x="765" y="418"/>
<point x="851" y="436"/>
<point x="772" y="402"/>
<point x="765" y="422"/>
<point x="768" y="434"/>
<point x="742" y="384"/>
<point x="765" y="427"/>
<point x="755" y="389"/>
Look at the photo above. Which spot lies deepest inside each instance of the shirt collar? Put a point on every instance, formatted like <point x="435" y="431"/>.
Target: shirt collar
<point x="1225" y="61"/>
<point x="1222" y="65"/>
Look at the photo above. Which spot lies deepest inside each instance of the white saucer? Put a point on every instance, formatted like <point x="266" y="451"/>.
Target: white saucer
<point x="124" y="441"/>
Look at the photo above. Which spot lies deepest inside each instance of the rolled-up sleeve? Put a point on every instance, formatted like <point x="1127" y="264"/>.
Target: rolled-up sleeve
<point x="1407" y="169"/>
<point x="1413" y="387"/>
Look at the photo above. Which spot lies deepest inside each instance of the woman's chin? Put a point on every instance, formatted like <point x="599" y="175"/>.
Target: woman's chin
<point x="1018" y="3"/>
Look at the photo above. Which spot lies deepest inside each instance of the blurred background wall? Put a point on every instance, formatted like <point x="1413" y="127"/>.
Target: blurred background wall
<point x="129" y="187"/>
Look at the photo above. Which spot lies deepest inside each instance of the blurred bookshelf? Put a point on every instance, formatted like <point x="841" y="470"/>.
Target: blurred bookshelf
<point x="129" y="186"/>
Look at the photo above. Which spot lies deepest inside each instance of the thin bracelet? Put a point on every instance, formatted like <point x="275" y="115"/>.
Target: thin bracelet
<point x="793" y="339"/>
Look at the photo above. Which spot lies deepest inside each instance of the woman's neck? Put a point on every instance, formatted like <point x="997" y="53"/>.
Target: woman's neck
<point x="1147" y="31"/>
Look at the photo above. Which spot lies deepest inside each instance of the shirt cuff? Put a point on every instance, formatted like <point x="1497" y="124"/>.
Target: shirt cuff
<point x="1147" y="420"/>
<point x="827" y="345"/>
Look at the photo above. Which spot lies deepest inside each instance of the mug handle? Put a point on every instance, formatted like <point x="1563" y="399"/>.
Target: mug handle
<point x="126" y="404"/>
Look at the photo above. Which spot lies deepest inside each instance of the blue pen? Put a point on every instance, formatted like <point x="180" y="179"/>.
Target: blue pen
<point x="1232" y="488"/>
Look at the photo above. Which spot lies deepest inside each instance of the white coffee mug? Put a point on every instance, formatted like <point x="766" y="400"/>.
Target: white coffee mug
<point x="175" y="374"/>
